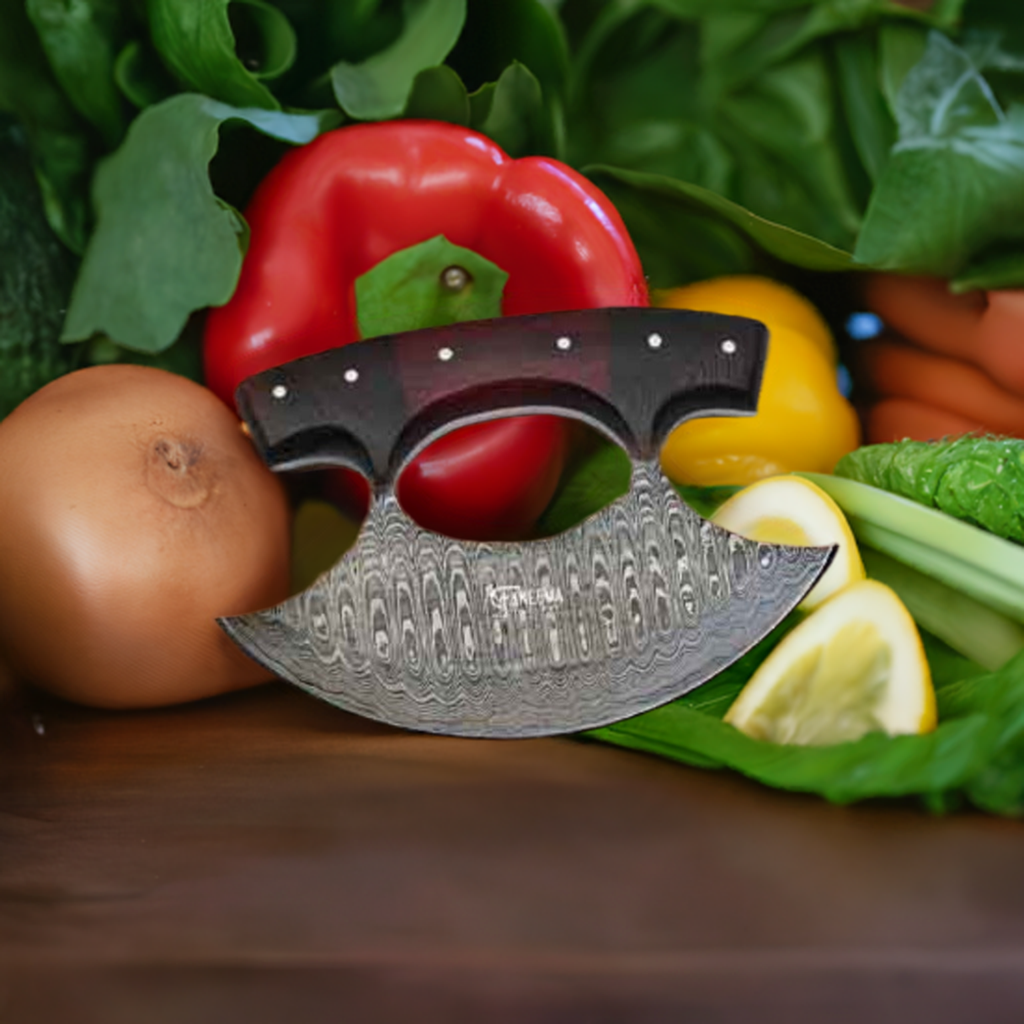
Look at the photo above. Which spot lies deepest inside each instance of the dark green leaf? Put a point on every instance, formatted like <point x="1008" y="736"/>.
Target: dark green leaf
<point x="991" y="272"/>
<point x="379" y="87"/>
<point x="81" y="41"/>
<point x="599" y="476"/>
<point x="901" y="45"/>
<point x="522" y="31"/>
<point x="597" y="480"/>
<point x="781" y="131"/>
<point x="164" y="245"/>
<point x="196" y="42"/>
<point x="140" y="76"/>
<point x="875" y="766"/>
<point x="957" y="153"/>
<point x="60" y="145"/>
<point x="512" y="112"/>
<point x="264" y="38"/>
<point x="872" y="126"/>
<point x="408" y="290"/>
<point x="782" y="242"/>
<point x="36" y="273"/>
<point x="674" y="98"/>
<point x="438" y="95"/>
<point x="679" y="243"/>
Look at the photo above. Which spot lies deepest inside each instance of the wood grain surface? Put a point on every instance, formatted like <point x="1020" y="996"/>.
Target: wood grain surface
<point x="265" y="857"/>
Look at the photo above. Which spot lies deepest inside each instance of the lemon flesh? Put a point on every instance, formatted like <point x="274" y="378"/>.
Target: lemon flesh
<point x="855" y="666"/>
<point x="792" y="510"/>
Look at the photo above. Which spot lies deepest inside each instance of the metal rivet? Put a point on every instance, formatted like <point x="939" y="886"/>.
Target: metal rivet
<point x="564" y="343"/>
<point x="444" y="354"/>
<point x="655" y="340"/>
<point x="729" y="346"/>
<point x="455" y="278"/>
<point x="279" y="391"/>
<point x="351" y="376"/>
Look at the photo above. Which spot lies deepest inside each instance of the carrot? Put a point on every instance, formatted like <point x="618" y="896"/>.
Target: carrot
<point x="897" y="418"/>
<point x="924" y="310"/>
<point x="897" y="370"/>
<point x="999" y="339"/>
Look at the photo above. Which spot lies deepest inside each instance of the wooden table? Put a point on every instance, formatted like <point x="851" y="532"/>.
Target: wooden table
<point x="264" y="857"/>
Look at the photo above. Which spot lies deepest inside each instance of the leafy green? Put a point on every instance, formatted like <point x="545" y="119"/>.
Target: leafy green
<point x="81" y="41"/>
<point x="196" y="41"/>
<point x="977" y="479"/>
<point x="379" y="87"/>
<point x="408" y="290"/>
<point x="844" y="123"/>
<point x="659" y="191"/>
<point x="164" y="244"/>
<point x="599" y="475"/>
<point x="512" y="112"/>
<point x="438" y="95"/>
<point x="139" y="75"/>
<point x="61" y="148"/>
<point x="957" y="152"/>
<point x="36" y="272"/>
<point x="976" y="753"/>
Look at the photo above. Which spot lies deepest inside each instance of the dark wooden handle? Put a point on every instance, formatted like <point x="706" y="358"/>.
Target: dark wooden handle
<point x="633" y="373"/>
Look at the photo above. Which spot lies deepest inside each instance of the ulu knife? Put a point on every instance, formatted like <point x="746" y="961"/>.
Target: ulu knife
<point x="635" y="606"/>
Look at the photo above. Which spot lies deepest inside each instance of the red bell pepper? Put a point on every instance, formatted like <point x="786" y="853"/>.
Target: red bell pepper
<point x="332" y="210"/>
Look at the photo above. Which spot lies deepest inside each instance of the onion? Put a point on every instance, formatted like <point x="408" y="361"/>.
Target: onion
<point x="134" y="511"/>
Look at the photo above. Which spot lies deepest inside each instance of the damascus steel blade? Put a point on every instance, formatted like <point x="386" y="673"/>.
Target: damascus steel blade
<point x="637" y="605"/>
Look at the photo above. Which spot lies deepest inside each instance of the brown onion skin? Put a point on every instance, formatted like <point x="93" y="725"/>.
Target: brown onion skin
<point x="134" y="511"/>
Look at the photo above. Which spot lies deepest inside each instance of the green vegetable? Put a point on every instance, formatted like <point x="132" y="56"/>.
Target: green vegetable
<point x="724" y="131"/>
<point x="975" y="754"/>
<point x="957" y="148"/>
<point x="971" y="560"/>
<point x="36" y="272"/>
<point x="975" y="630"/>
<point x="406" y="291"/>
<point x="977" y="479"/>
<point x="379" y="87"/>
<point x="831" y="136"/>
<point x="165" y="245"/>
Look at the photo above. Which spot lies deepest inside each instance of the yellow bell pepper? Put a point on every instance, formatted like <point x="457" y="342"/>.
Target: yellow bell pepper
<point x="802" y="422"/>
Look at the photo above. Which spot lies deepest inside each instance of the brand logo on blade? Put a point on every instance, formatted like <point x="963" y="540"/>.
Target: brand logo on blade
<point x="511" y="598"/>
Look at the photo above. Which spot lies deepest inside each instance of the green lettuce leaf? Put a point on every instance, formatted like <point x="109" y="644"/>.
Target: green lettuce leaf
<point x="197" y="42"/>
<point x="379" y="87"/>
<point x="976" y="753"/>
<point x="164" y="244"/>
<point x="62" y="150"/>
<point x="81" y="42"/>
<point x="954" y="183"/>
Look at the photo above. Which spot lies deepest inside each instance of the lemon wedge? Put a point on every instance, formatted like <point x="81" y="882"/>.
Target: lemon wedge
<point x="855" y="666"/>
<point x="792" y="510"/>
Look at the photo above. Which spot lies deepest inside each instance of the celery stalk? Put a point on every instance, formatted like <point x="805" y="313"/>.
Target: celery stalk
<point x="976" y="630"/>
<point x="964" y="557"/>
